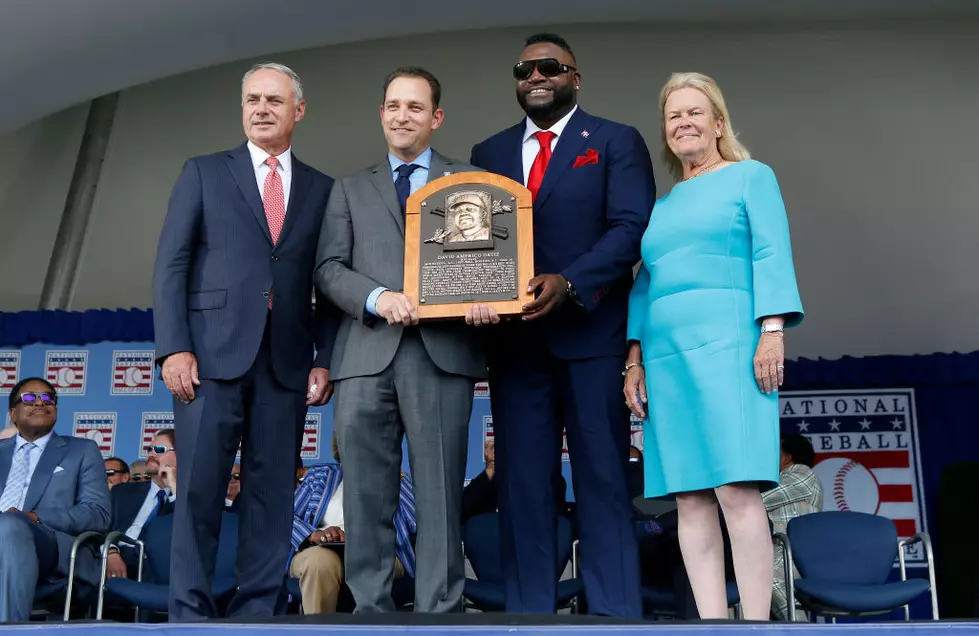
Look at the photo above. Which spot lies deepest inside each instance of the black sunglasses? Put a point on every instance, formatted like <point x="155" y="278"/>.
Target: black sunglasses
<point x="140" y="476"/>
<point x="159" y="450"/>
<point x="548" y="67"/>
<point x="30" y="399"/>
<point x="109" y="472"/>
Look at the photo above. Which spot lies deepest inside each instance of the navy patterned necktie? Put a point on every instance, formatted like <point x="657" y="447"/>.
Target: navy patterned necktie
<point x="402" y="185"/>
<point x="161" y="496"/>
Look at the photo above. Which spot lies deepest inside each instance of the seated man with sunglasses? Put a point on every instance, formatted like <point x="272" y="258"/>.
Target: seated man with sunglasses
<point x="52" y="488"/>
<point x="116" y="472"/>
<point x="134" y="505"/>
<point x="234" y="489"/>
<point x="138" y="471"/>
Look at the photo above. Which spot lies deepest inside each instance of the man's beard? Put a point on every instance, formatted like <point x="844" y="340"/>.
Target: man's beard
<point x="563" y="99"/>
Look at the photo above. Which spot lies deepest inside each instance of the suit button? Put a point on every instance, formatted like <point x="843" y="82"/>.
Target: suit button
<point x="274" y="257"/>
<point x="265" y="294"/>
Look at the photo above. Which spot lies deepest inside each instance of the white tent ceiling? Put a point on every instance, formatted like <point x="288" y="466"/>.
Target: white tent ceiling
<point x="57" y="53"/>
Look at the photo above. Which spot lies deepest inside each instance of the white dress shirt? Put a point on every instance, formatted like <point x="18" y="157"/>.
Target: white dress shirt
<point x="334" y="510"/>
<point x="531" y="146"/>
<point x="144" y="512"/>
<point x="262" y="169"/>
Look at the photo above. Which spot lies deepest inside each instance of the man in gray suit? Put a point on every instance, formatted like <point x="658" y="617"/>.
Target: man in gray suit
<point x="52" y="488"/>
<point x="394" y="377"/>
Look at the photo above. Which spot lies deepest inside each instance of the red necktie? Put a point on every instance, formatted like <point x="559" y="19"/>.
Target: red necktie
<point x="275" y="203"/>
<point x="537" y="170"/>
<point x="275" y="200"/>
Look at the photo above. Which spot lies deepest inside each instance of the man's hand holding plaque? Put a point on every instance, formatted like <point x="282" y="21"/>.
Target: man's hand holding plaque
<point x="397" y="308"/>
<point x="479" y="315"/>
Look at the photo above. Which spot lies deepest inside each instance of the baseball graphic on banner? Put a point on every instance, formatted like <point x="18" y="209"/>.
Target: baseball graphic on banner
<point x="854" y="486"/>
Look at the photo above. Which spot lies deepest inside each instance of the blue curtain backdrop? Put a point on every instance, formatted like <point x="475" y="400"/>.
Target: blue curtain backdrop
<point x="946" y="387"/>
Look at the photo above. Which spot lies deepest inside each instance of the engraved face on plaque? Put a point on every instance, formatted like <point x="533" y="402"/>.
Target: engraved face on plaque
<point x="474" y="243"/>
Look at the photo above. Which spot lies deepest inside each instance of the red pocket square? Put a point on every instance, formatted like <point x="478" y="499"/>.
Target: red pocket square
<point x="590" y="156"/>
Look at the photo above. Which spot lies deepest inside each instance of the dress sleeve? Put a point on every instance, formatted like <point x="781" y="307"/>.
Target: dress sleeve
<point x="776" y="291"/>
<point x="638" y="305"/>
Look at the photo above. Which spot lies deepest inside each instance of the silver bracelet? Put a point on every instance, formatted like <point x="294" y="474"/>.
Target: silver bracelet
<point x="630" y="365"/>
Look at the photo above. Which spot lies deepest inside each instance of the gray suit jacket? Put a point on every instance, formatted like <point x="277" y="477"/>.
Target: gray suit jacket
<point x="68" y="491"/>
<point x="361" y="247"/>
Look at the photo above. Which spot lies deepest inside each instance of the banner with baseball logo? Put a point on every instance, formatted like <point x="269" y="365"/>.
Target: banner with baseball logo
<point x="867" y="452"/>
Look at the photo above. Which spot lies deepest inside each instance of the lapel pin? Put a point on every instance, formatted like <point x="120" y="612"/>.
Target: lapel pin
<point x="585" y="133"/>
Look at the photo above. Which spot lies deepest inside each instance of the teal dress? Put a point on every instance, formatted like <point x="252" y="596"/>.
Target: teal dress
<point x="716" y="259"/>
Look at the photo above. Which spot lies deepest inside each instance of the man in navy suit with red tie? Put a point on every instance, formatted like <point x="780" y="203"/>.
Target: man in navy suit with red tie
<point x="559" y="365"/>
<point x="235" y="332"/>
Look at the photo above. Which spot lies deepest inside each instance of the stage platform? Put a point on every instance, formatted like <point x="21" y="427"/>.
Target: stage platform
<point x="487" y="625"/>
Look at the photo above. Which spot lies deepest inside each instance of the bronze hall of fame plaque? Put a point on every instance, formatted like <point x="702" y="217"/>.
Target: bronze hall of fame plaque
<point x="469" y="238"/>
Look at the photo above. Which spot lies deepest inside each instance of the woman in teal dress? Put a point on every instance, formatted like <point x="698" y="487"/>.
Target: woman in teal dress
<point x="706" y="318"/>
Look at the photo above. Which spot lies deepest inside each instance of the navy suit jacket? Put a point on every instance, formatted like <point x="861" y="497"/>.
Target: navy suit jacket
<point x="216" y="266"/>
<point x="68" y="491"/>
<point x="126" y="500"/>
<point x="588" y="223"/>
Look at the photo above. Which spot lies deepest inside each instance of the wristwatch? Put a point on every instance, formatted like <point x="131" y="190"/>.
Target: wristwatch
<point x="573" y="294"/>
<point x="772" y="328"/>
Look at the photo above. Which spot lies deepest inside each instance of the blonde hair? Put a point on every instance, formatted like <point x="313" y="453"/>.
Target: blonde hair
<point x="728" y="145"/>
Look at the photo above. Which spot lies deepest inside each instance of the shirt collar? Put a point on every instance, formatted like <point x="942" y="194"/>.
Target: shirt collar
<point x="259" y="156"/>
<point x="557" y="128"/>
<point x="40" y="443"/>
<point x="424" y="160"/>
<point x="154" y="488"/>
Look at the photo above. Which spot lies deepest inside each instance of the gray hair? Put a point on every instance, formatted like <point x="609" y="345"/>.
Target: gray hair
<point x="297" y="85"/>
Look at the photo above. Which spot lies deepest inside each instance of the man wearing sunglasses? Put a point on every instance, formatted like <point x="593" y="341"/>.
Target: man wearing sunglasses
<point x="138" y="471"/>
<point x="134" y="505"/>
<point x="116" y="472"/>
<point x="242" y="346"/>
<point x="52" y="488"/>
<point x="559" y="366"/>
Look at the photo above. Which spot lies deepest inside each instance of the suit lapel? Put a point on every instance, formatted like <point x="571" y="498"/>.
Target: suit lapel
<point x="440" y="167"/>
<point x="240" y="164"/>
<point x="513" y="168"/>
<point x="50" y="459"/>
<point x="301" y="181"/>
<point x="6" y="456"/>
<point x="383" y="181"/>
<point x="569" y="145"/>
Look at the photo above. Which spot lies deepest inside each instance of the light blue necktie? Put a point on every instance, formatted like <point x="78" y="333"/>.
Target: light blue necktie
<point x="17" y="480"/>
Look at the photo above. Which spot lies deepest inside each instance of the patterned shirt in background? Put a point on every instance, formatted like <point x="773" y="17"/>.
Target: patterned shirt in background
<point x="798" y="493"/>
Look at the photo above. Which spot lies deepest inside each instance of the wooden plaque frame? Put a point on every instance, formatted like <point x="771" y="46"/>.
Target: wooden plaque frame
<point x="523" y="211"/>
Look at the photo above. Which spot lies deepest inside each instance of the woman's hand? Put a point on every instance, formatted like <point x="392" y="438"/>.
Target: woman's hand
<point x="770" y="361"/>
<point x="635" y="391"/>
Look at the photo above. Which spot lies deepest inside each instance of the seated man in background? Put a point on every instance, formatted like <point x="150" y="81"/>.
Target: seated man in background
<point x="798" y="493"/>
<point x="116" y="472"/>
<point x="52" y="488"/>
<point x="479" y="496"/>
<point x="137" y="471"/>
<point x="319" y="520"/>
<point x="234" y="487"/>
<point x="134" y="505"/>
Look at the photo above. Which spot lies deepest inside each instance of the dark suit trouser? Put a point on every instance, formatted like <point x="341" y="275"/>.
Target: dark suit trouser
<point x="267" y="417"/>
<point x="372" y="415"/>
<point x="28" y="554"/>
<point x="533" y="395"/>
